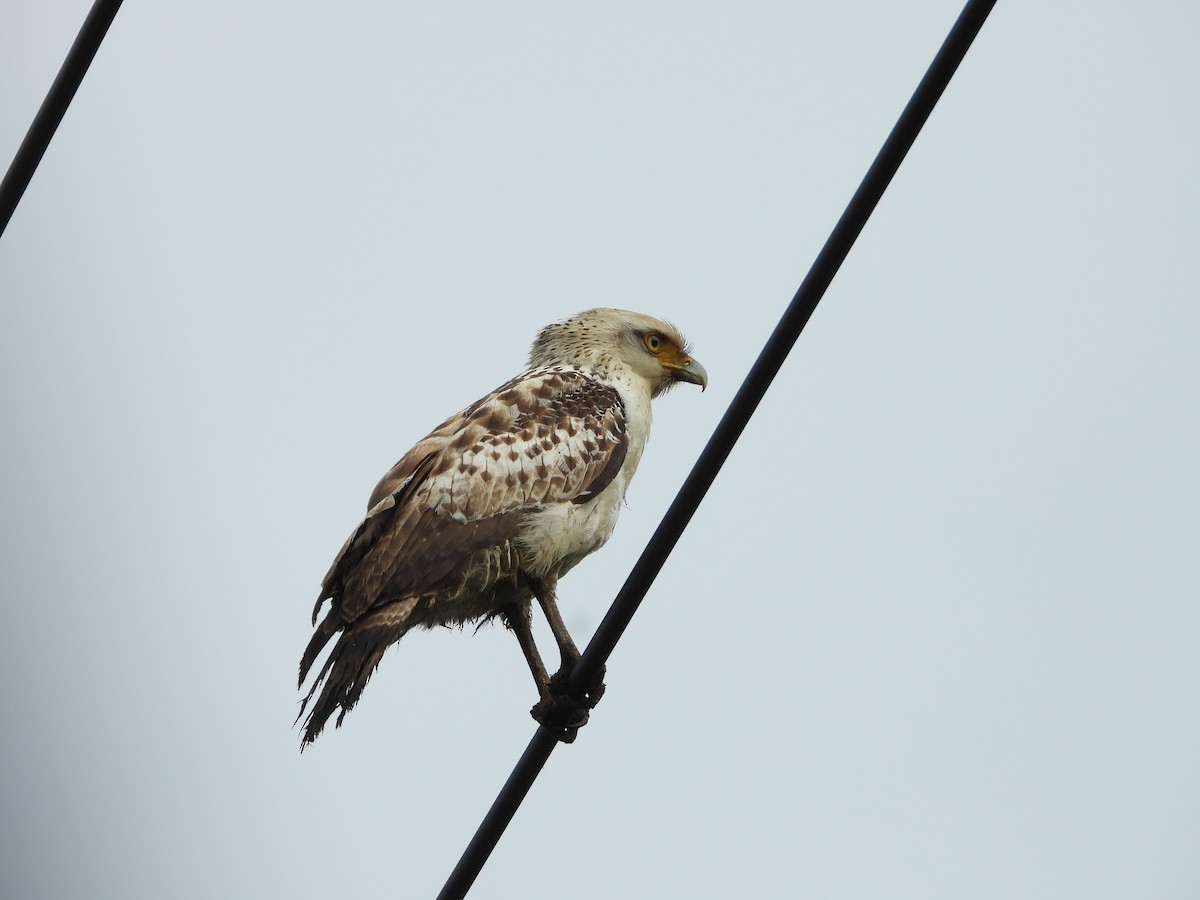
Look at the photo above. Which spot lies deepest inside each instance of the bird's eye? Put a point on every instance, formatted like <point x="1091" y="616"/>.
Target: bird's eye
<point x="654" y="342"/>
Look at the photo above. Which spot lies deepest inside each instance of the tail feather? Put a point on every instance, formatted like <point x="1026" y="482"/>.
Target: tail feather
<point x="349" y="665"/>
<point x="330" y="625"/>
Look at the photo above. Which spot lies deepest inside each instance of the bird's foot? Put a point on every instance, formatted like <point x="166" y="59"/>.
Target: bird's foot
<point x="560" y="683"/>
<point x="562" y="712"/>
<point x="561" y="716"/>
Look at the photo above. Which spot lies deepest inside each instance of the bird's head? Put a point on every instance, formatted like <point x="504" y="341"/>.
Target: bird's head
<point x="651" y="348"/>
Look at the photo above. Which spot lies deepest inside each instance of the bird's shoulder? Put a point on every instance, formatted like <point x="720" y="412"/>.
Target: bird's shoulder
<point x="540" y="423"/>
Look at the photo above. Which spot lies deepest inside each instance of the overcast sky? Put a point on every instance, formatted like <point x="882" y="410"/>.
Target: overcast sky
<point x="932" y="634"/>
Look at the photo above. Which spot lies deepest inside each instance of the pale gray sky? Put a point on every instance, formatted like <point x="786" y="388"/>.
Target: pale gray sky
<point x="934" y="631"/>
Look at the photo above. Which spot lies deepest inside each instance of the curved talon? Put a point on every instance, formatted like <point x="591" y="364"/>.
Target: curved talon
<point x="594" y="691"/>
<point x="562" y="712"/>
<point x="560" y="687"/>
<point x="561" y="716"/>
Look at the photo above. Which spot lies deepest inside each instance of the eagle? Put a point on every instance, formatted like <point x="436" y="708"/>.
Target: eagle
<point x="493" y="507"/>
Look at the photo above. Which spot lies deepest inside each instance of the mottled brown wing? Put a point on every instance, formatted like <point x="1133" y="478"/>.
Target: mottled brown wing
<point x="548" y="437"/>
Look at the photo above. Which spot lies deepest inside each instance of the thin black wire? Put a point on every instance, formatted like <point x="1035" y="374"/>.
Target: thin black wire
<point x="719" y="446"/>
<point x="54" y="107"/>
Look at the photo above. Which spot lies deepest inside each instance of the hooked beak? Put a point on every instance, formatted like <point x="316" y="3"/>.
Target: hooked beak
<point x="693" y="373"/>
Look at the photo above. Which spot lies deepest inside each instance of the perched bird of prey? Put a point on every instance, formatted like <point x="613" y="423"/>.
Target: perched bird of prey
<point x="495" y="505"/>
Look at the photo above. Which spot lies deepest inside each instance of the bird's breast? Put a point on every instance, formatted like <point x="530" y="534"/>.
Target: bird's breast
<point x="554" y="539"/>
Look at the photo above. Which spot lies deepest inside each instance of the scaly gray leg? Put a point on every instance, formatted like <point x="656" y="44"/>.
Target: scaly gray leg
<point x="564" y="713"/>
<point x="519" y="618"/>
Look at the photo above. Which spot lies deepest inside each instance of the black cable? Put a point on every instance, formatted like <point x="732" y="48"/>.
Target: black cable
<point x="775" y="351"/>
<point x="54" y="107"/>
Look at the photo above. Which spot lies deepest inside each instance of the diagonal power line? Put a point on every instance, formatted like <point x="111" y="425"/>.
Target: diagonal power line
<point x="719" y="446"/>
<point x="54" y="107"/>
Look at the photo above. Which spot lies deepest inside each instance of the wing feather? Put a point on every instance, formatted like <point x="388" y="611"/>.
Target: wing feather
<point x="458" y="498"/>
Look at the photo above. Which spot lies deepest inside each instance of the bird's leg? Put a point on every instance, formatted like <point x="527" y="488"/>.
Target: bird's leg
<point x="566" y="712"/>
<point x="519" y="619"/>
